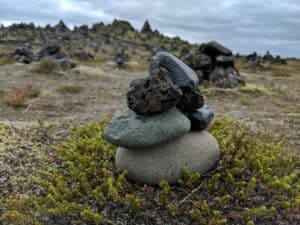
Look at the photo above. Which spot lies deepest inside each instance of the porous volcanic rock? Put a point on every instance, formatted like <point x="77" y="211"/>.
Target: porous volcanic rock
<point x="181" y="74"/>
<point x="191" y="100"/>
<point x="134" y="131"/>
<point x="198" y="151"/>
<point x="153" y="94"/>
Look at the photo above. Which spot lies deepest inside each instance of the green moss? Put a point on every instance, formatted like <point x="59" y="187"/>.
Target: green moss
<point x="254" y="174"/>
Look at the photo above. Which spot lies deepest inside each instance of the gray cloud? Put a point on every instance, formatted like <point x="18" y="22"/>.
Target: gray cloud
<point x="244" y="26"/>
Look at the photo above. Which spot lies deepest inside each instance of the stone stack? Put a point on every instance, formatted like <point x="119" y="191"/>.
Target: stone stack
<point x="162" y="130"/>
<point x="214" y="62"/>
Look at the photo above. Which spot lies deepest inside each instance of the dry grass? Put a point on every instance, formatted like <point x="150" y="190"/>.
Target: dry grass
<point x="31" y="91"/>
<point x="15" y="99"/>
<point x="16" y="96"/>
<point x="47" y="66"/>
<point x="5" y="60"/>
<point x="68" y="89"/>
<point x="293" y="67"/>
<point x="44" y="103"/>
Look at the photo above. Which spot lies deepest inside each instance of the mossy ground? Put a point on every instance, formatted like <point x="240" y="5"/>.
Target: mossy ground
<point x="255" y="182"/>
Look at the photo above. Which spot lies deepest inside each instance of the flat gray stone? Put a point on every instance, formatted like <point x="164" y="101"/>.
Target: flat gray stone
<point x="131" y="130"/>
<point x="198" y="151"/>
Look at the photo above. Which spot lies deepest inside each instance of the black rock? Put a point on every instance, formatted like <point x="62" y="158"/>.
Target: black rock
<point x="49" y="49"/>
<point x="226" y="77"/>
<point x="201" y="118"/>
<point x="83" y="55"/>
<point x="146" y="27"/>
<point x="191" y="100"/>
<point x="66" y="63"/>
<point x="121" y="58"/>
<point x="214" y="48"/>
<point x="197" y="61"/>
<point x="23" y="55"/>
<point x="180" y="73"/>
<point x="225" y="61"/>
<point x="153" y="94"/>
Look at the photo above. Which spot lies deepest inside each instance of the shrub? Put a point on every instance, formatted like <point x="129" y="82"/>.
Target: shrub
<point x="47" y="66"/>
<point x="68" y="89"/>
<point x="255" y="179"/>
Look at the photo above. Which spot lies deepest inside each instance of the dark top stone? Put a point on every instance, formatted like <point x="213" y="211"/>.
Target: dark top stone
<point x="153" y="94"/>
<point x="201" y="118"/>
<point x="180" y="73"/>
<point x="214" y="48"/>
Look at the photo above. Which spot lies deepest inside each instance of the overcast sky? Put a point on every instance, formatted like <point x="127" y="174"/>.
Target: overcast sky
<point x="242" y="25"/>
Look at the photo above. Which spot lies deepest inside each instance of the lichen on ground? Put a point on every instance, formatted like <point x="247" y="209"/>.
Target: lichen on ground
<point x="255" y="182"/>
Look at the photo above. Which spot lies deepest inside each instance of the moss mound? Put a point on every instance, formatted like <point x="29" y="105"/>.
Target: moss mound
<point x="255" y="182"/>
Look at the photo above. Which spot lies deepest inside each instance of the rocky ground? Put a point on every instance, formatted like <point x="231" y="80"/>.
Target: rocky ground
<point x="38" y="108"/>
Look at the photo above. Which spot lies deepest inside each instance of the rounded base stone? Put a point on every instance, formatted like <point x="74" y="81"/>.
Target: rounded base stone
<point x="198" y="151"/>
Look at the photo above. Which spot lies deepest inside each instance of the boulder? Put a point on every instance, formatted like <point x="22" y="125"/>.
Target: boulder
<point x="49" y="49"/>
<point x="198" y="61"/>
<point x="23" y="55"/>
<point x="214" y="48"/>
<point x="82" y="55"/>
<point x="198" y="151"/>
<point x="131" y="130"/>
<point x="66" y="63"/>
<point x="153" y="94"/>
<point x="180" y="73"/>
<point x="201" y="118"/>
<point x="191" y="100"/>
<point x="225" y="61"/>
<point x="226" y="77"/>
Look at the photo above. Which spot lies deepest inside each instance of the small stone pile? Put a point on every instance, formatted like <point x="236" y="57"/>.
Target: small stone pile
<point x="214" y="62"/>
<point x="162" y="131"/>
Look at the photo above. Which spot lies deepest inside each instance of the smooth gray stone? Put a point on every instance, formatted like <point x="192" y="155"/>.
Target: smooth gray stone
<point x="201" y="118"/>
<point x="180" y="73"/>
<point x="131" y="130"/>
<point x="198" y="151"/>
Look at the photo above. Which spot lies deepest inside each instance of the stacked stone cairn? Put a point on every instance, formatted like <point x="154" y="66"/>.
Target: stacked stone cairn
<point x="215" y="63"/>
<point x="163" y="130"/>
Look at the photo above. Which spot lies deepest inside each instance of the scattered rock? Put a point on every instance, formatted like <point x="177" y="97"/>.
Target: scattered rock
<point x="226" y="78"/>
<point x="214" y="48"/>
<point x="198" y="151"/>
<point x="23" y="55"/>
<point x="83" y="55"/>
<point x="121" y="58"/>
<point x="225" y="61"/>
<point x="201" y="118"/>
<point x="146" y="27"/>
<point x="131" y="130"/>
<point x="49" y="49"/>
<point x="66" y="63"/>
<point x="153" y="94"/>
<point x="180" y="74"/>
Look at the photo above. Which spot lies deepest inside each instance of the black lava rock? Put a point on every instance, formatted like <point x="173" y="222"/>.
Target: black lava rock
<point x="153" y="94"/>
<point x="190" y="101"/>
